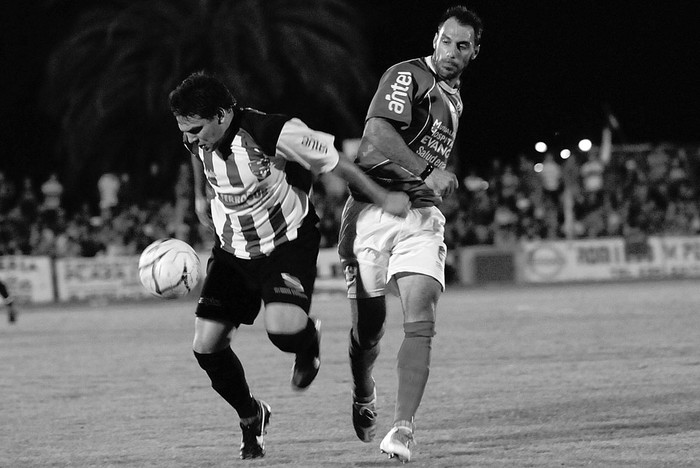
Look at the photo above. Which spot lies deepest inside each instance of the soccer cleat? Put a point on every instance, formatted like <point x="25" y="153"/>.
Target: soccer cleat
<point x="253" y="443"/>
<point x="397" y="443"/>
<point x="306" y="366"/>
<point x="364" y="417"/>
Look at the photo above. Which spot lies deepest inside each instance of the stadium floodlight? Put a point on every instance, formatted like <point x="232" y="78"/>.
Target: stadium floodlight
<point x="585" y="144"/>
<point x="565" y="153"/>
<point x="540" y="146"/>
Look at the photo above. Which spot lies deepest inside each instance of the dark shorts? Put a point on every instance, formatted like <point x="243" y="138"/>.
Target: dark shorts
<point x="234" y="288"/>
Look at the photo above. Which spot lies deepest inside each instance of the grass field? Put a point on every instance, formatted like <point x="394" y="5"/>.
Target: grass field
<point x="587" y="375"/>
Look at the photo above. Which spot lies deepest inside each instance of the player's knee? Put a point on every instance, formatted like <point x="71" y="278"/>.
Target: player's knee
<point x="284" y="319"/>
<point x="211" y="362"/>
<point x="424" y="329"/>
<point x="367" y="338"/>
<point x="297" y="341"/>
<point x="371" y="316"/>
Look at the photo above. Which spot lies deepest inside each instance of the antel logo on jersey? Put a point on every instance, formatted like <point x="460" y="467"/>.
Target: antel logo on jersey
<point x="545" y="261"/>
<point x="397" y="99"/>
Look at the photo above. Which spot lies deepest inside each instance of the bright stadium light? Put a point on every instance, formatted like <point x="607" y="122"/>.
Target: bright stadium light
<point x="540" y="146"/>
<point x="585" y="144"/>
<point x="538" y="167"/>
<point x="565" y="153"/>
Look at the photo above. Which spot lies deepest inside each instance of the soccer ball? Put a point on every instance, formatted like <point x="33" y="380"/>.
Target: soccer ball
<point x="169" y="268"/>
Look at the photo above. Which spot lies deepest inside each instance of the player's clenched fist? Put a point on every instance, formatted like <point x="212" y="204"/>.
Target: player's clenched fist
<point x="442" y="182"/>
<point x="397" y="204"/>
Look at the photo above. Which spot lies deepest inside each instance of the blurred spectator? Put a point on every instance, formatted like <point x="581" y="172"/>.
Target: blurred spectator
<point x="657" y="162"/>
<point x="529" y="179"/>
<point x="108" y="186"/>
<point x="551" y="176"/>
<point x="126" y="195"/>
<point x="509" y="182"/>
<point x="592" y="174"/>
<point x="52" y="190"/>
<point x="474" y="183"/>
<point x="7" y="194"/>
<point x="28" y="204"/>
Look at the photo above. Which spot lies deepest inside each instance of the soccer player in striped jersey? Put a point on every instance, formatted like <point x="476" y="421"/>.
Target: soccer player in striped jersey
<point x="252" y="176"/>
<point x="409" y="133"/>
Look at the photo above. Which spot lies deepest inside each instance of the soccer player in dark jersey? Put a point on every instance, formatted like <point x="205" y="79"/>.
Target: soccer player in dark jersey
<point x="9" y="303"/>
<point x="409" y="132"/>
<point x="252" y="176"/>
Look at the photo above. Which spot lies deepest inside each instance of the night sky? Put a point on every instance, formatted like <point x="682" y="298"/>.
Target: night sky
<point x="546" y="71"/>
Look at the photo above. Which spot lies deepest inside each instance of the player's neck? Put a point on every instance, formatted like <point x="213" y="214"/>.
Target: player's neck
<point x="453" y="83"/>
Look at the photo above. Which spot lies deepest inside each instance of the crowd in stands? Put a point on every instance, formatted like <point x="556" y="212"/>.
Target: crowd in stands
<point x="638" y="190"/>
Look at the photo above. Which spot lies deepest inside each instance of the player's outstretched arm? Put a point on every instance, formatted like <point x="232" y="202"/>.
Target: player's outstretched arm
<point x="381" y="135"/>
<point x="395" y="203"/>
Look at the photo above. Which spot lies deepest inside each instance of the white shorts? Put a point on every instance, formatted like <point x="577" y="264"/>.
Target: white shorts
<point x="374" y="246"/>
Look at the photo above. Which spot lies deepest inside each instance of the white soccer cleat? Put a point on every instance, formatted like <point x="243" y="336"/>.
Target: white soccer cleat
<point x="397" y="443"/>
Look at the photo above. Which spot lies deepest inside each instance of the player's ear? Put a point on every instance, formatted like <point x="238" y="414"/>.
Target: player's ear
<point x="435" y="41"/>
<point x="476" y="52"/>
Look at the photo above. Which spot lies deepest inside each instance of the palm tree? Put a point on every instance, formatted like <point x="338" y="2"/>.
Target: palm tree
<point x="108" y="81"/>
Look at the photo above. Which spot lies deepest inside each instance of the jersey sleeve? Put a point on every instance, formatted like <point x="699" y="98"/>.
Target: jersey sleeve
<point x="312" y="149"/>
<point x="395" y="95"/>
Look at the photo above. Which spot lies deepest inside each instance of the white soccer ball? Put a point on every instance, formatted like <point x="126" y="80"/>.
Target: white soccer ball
<point x="169" y="268"/>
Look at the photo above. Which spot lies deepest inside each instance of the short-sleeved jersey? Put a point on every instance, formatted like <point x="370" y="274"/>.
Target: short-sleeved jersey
<point x="425" y="111"/>
<point x="255" y="206"/>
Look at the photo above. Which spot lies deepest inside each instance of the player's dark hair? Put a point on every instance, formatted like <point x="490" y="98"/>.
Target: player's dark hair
<point x="200" y="94"/>
<point x="466" y="17"/>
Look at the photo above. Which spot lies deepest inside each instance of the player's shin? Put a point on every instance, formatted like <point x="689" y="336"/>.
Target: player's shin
<point x="362" y="361"/>
<point x="364" y="347"/>
<point x="228" y="379"/>
<point x="413" y="365"/>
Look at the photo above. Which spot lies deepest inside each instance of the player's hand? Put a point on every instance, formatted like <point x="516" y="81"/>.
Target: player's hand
<point x="202" y="208"/>
<point x="442" y="182"/>
<point x="397" y="204"/>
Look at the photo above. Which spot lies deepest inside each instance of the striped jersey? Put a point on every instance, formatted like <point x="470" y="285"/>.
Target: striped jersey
<point x="256" y="204"/>
<point x="425" y="111"/>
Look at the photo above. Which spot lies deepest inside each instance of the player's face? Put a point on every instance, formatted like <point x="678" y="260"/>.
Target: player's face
<point x="454" y="46"/>
<point x="206" y="133"/>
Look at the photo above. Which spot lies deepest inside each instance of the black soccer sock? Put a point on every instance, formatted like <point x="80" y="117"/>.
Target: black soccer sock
<point x="361" y="365"/>
<point x="228" y="379"/>
<point x="413" y="368"/>
<point x="301" y="342"/>
<point x="363" y="351"/>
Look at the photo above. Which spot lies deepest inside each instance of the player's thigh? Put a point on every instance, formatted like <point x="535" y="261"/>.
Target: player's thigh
<point x="231" y="290"/>
<point x="421" y="249"/>
<point x="288" y="279"/>
<point x="419" y="296"/>
<point x="284" y="318"/>
<point x="365" y="245"/>
<point x="211" y="336"/>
